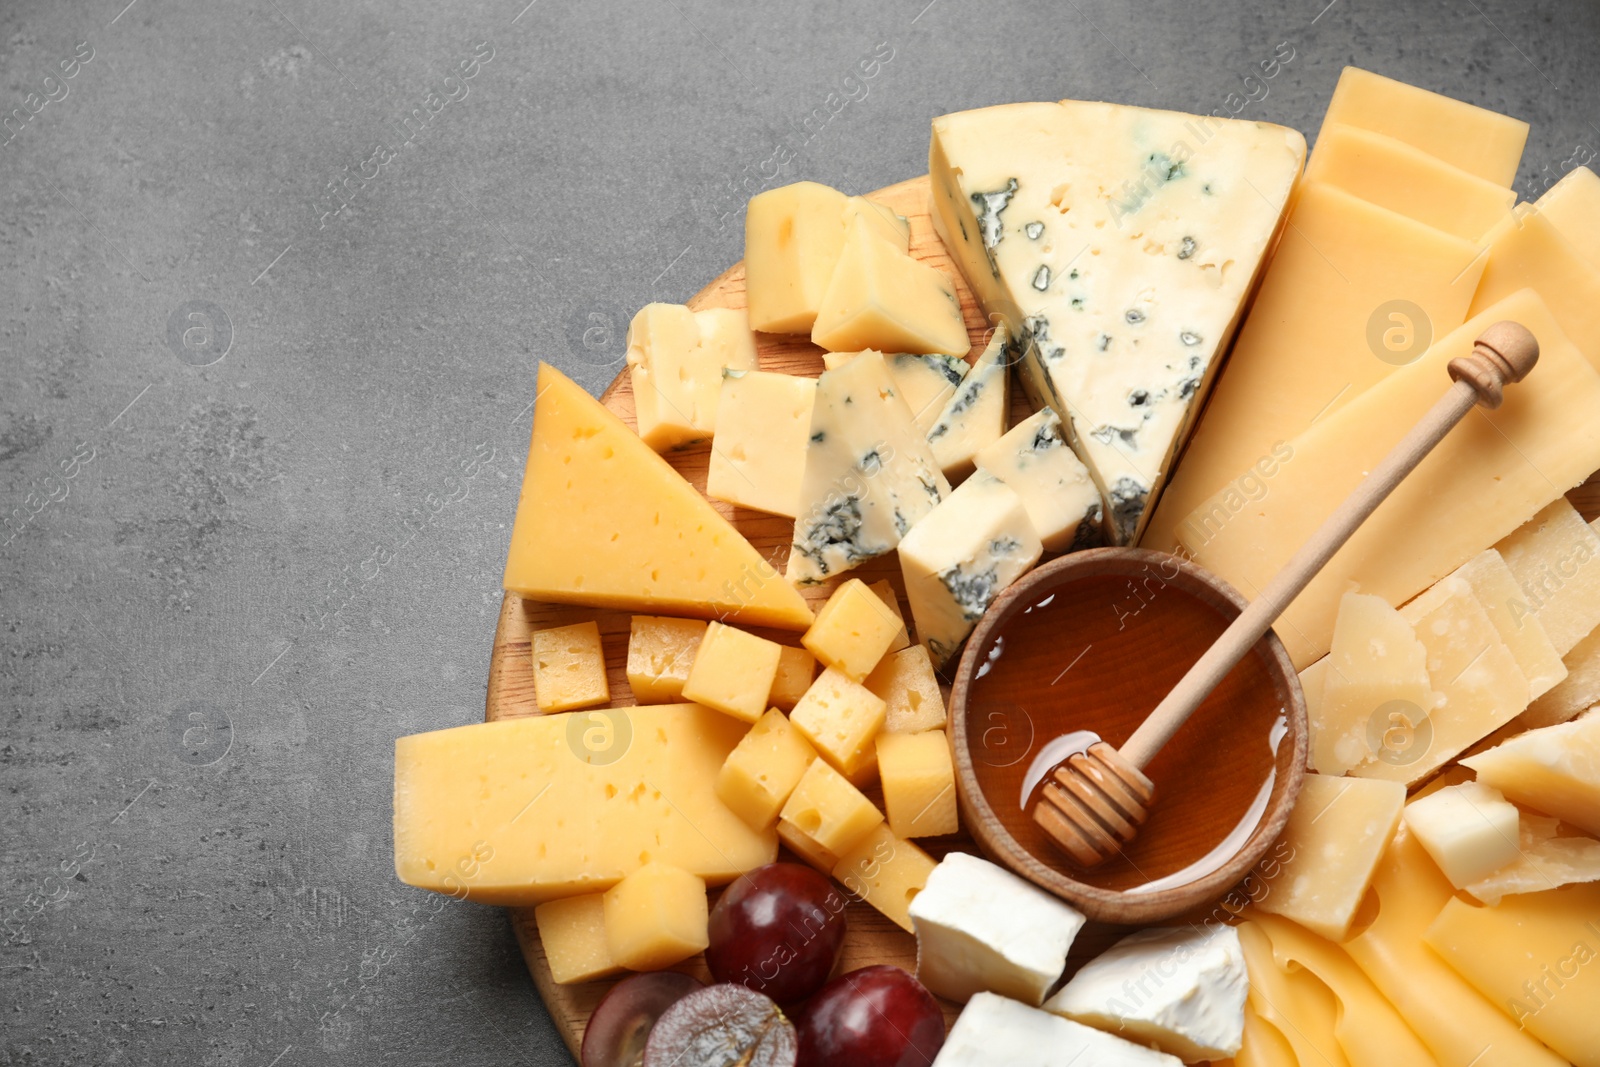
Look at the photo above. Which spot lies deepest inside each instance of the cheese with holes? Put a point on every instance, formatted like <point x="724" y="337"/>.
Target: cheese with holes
<point x="677" y="358"/>
<point x="758" y="454"/>
<point x="994" y="1029"/>
<point x="909" y="687"/>
<point x="1062" y="502"/>
<point x="1376" y="667"/>
<point x="1573" y="207"/>
<point x="604" y="521"/>
<point x="660" y="653"/>
<point x="1555" y="557"/>
<point x="569" y="668"/>
<point x="870" y="474"/>
<point x="885" y="590"/>
<point x="879" y="297"/>
<point x="521" y="811"/>
<point x="1503" y="599"/>
<point x="974" y="416"/>
<point x="763" y="769"/>
<point x="918" y="776"/>
<point x="840" y="718"/>
<point x="1469" y="829"/>
<point x="792" y="238"/>
<point x="887" y="872"/>
<point x="1555" y="770"/>
<point x="829" y="810"/>
<point x="806" y="847"/>
<point x="1527" y="251"/>
<point x="927" y="383"/>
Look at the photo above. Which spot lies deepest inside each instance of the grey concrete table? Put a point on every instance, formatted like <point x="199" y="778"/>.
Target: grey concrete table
<point x="276" y="276"/>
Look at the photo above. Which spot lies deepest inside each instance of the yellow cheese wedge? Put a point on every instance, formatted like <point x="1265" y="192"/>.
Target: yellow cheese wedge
<point x="1392" y="174"/>
<point x="1376" y="274"/>
<point x="885" y="590"/>
<point x="655" y="917"/>
<point x="605" y="521"/>
<point x="1476" y="140"/>
<point x="1488" y="476"/>
<point x="1555" y="770"/>
<point x="1528" y="252"/>
<point x="1573" y="207"/>
<point x="879" y="297"/>
<point x="522" y="811"/>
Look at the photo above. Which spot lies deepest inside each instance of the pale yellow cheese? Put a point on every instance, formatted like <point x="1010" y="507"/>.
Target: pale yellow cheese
<point x="1376" y="669"/>
<point x="1527" y="252"/>
<point x="919" y="783"/>
<point x="1544" y="860"/>
<point x="602" y="520"/>
<point x="569" y="667"/>
<point x="1573" y="207"/>
<point x="885" y="590"/>
<point x="896" y="229"/>
<point x="660" y="652"/>
<point x="655" y="917"/>
<point x="1578" y="692"/>
<point x="1470" y="830"/>
<point x="796" y="670"/>
<point x="926" y="382"/>
<point x="792" y="238"/>
<point x="1555" y="557"/>
<point x="1313" y="683"/>
<point x="1555" y="770"/>
<point x="1489" y="475"/>
<point x="677" y="358"/>
<point x="526" y="810"/>
<point x="763" y="769"/>
<point x="733" y="672"/>
<point x="1263" y="1044"/>
<point x="572" y="932"/>
<point x="879" y="297"/>
<point x="910" y="690"/>
<point x="805" y="846"/>
<point x="887" y="872"/>
<point x="840" y="718"/>
<point x="1501" y="596"/>
<point x="1337" y="832"/>
<point x="1478" y="141"/>
<point x="829" y="810"/>
<point x="853" y="630"/>
<point x="758" y="454"/>
<point x="1295" y="1005"/>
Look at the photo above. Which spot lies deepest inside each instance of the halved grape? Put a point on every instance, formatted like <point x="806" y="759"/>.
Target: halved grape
<point x="616" y="1034"/>
<point x="777" y="930"/>
<point x="722" y="1026"/>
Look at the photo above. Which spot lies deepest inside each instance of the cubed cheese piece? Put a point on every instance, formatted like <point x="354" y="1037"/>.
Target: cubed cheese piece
<point x="879" y="297"/>
<point x="961" y="556"/>
<point x="1376" y="668"/>
<point x="1555" y="770"/>
<point x="677" y="358"/>
<point x="733" y="672"/>
<point x="1061" y="499"/>
<point x="994" y="1029"/>
<point x="1118" y="244"/>
<point x="1470" y="830"/>
<point x="1179" y="988"/>
<point x="910" y="689"/>
<point x="569" y="667"/>
<point x="840" y="718"/>
<point x="927" y="383"/>
<point x="886" y="593"/>
<point x="572" y="932"/>
<point x="974" y="417"/>
<point x="758" y="454"/>
<point x="829" y="810"/>
<point x="792" y="238"/>
<point x="660" y="653"/>
<point x="896" y="229"/>
<point x="981" y="929"/>
<point x="796" y="670"/>
<point x="853" y="630"/>
<point x="1502" y="598"/>
<point x="805" y="846"/>
<point x="526" y="810"/>
<point x="870" y="473"/>
<point x="763" y="769"/>
<point x="655" y="917"/>
<point x="604" y="521"/>
<point x="919" y="783"/>
<point x="1335" y="836"/>
<point x="1556" y="560"/>
<point x="886" y="872"/>
<point x="1544" y="860"/>
<point x="1572" y="206"/>
<point x="1577" y="692"/>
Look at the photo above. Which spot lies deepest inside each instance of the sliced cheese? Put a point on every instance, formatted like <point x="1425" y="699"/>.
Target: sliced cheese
<point x="1377" y="669"/>
<point x="758" y="454"/>
<point x="792" y="238"/>
<point x="879" y="297"/>
<point x="896" y="229"/>
<point x="1469" y="829"/>
<point x="1300" y="1014"/>
<point x="1502" y="597"/>
<point x="1527" y="251"/>
<point x="1555" y="556"/>
<point x="1578" y="691"/>
<point x="1060" y="497"/>
<point x="1555" y="770"/>
<point x="1573" y="207"/>
<point x="1544" y="860"/>
<point x="974" y="416"/>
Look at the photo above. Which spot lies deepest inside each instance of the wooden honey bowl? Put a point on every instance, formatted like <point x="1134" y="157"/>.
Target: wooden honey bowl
<point x="1092" y="642"/>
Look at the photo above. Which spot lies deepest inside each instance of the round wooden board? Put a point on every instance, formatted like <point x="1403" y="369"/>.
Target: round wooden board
<point x="872" y="938"/>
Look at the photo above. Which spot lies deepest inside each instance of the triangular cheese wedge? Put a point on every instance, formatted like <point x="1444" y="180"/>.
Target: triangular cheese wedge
<point x="605" y="521"/>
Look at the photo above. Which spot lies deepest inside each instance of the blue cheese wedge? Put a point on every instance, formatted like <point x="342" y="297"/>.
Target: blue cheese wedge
<point x="869" y="472"/>
<point x="1119" y="243"/>
<point x="975" y="415"/>
<point x="996" y="1030"/>
<point x="1179" y="988"/>
<point x="1062" y="501"/>
<point x="961" y="556"/>
<point x="927" y="383"/>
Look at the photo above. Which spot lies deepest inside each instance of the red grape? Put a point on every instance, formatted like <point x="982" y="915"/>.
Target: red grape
<point x="722" y="1026"/>
<point x="874" y="1017"/>
<point x="778" y="931"/>
<point x="616" y="1033"/>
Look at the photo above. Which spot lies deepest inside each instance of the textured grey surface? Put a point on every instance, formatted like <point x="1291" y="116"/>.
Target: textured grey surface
<point x="225" y="589"/>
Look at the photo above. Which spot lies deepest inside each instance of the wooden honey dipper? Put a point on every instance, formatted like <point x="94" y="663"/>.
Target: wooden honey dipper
<point x="1094" y="802"/>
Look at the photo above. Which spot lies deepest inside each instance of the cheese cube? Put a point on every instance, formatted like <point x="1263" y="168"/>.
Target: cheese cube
<point x="1501" y="596"/>
<point x="886" y="872"/>
<point x="1555" y="770"/>
<point x="982" y="929"/>
<point x="569" y="668"/>
<point x="572" y="932"/>
<point x="660" y="652"/>
<point x="763" y="769"/>
<point x="961" y="556"/>
<point x="655" y="917"/>
<point x="885" y="591"/>
<point x="1179" y="988"/>
<point x="792" y="238"/>
<point x="1577" y="692"/>
<point x="919" y="783"/>
<point x="896" y="229"/>
<point x="879" y="297"/>
<point x="853" y="630"/>
<point x="910" y="691"/>
<point x="1061" y="499"/>
<point x="796" y="669"/>
<point x="840" y="718"/>
<point x="733" y="672"/>
<point x="870" y="473"/>
<point x="926" y="383"/>
<point x="1470" y="830"/>
<point x="829" y="810"/>
<point x="975" y="415"/>
<point x="1376" y="667"/>
<point x="758" y="453"/>
<point x="1556" y="559"/>
<point x="677" y="358"/>
<point x="805" y="846"/>
<point x="1543" y="861"/>
<point x="1336" y="835"/>
<point x="997" y="1030"/>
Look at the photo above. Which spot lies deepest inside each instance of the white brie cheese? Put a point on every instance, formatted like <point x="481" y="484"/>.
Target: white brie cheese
<point x="1063" y="504"/>
<point x="993" y="1030"/>
<point x="975" y="415"/>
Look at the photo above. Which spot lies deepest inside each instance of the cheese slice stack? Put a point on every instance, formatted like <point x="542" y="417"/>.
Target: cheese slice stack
<point x="1119" y="245"/>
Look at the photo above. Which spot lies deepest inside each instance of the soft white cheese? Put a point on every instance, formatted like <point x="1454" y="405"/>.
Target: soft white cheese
<point x="994" y="1030"/>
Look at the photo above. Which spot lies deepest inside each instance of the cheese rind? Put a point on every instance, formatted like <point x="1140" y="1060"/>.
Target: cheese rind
<point x="758" y="454"/>
<point x="1555" y="770"/>
<point x="1063" y="505"/>
<point x="994" y="1029"/>
<point x="569" y="668"/>
<point x="1469" y="829"/>
<point x="974" y="417"/>
<point x="879" y="297"/>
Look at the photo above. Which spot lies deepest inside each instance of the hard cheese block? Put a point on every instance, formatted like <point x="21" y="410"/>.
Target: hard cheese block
<point x="1469" y="829"/>
<point x="1377" y="669"/>
<point x="1502" y="598"/>
<point x="1555" y="770"/>
<point x="1577" y="692"/>
<point x="677" y="358"/>
<point x="1543" y="860"/>
<point x="603" y="520"/>
<point x="1489" y="475"/>
<point x="879" y="297"/>
<point x="1119" y="244"/>
<point x="522" y="811"/>
<point x="758" y="455"/>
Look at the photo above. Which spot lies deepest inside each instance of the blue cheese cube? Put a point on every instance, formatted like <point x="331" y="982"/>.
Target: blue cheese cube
<point x="1062" y="501"/>
<point x="974" y="416"/>
<point x="927" y="383"/>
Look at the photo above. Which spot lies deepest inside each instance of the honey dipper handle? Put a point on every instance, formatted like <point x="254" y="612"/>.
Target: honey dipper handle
<point x="1504" y="353"/>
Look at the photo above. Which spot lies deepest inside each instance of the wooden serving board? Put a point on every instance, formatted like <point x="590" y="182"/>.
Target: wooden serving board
<point x="872" y="938"/>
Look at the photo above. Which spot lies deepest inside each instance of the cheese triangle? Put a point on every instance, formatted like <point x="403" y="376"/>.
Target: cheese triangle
<point x="605" y="521"/>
